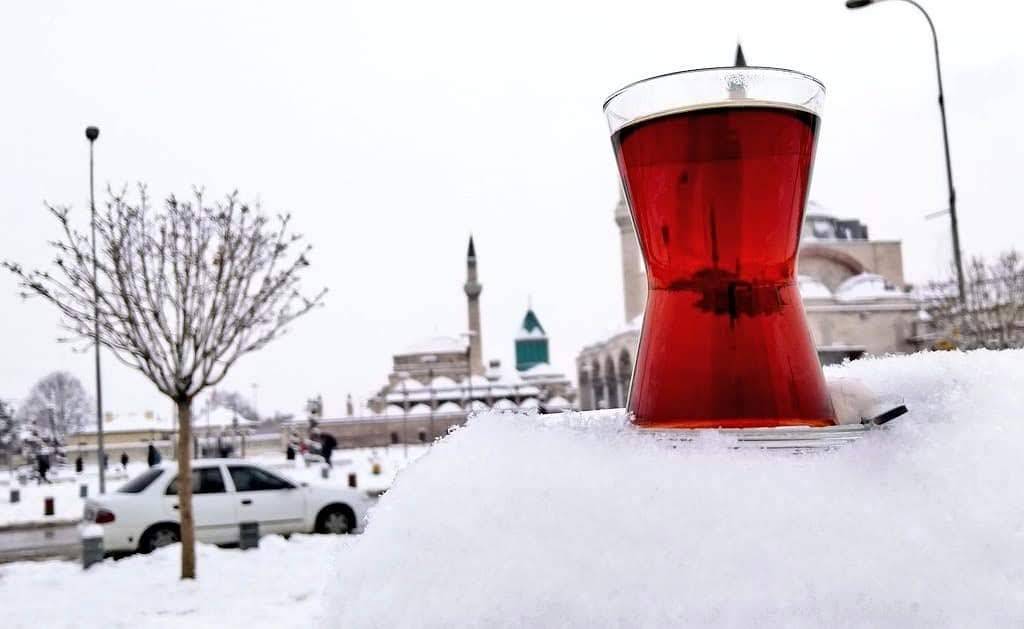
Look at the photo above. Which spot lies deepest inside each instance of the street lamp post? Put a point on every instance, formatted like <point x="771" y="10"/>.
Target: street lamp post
<point x="91" y="133"/>
<point x="953" y="224"/>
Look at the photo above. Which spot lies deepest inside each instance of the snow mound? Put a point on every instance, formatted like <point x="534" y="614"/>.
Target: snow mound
<point x="580" y="521"/>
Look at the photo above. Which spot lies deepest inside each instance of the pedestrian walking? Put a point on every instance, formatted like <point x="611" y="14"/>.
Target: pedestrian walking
<point x="43" y="466"/>
<point x="124" y="461"/>
<point x="327" y="445"/>
<point x="152" y="455"/>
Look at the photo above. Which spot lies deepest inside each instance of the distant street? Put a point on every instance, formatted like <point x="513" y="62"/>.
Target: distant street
<point x="40" y="543"/>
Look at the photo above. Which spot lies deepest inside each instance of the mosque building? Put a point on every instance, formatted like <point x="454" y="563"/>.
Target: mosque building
<point x="437" y="382"/>
<point x="442" y="373"/>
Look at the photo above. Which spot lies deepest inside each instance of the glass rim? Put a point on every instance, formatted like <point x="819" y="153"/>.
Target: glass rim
<point x="629" y="86"/>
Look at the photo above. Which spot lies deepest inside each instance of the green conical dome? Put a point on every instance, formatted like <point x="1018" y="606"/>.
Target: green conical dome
<point x="531" y="343"/>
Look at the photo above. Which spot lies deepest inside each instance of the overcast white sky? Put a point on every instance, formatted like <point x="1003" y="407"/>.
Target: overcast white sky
<point x="391" y="130"/>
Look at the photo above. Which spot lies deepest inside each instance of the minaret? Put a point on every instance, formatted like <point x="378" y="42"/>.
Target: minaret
<point x="473" y="288"/>
<point x="634" y="283"/>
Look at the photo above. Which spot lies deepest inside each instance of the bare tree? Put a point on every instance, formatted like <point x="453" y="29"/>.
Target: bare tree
<point x="992" y="315"/>
<point x="57" y="405"/>
<point x="8" y="432"/>
<point x="184" y="291"/>
<point x="233" y="401"/>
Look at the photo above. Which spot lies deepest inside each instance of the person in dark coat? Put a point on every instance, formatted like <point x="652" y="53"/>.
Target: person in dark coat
<point x="43" y="465"/>
<point x="124" y="460"/>
<point x="327" y="445"/>
<point x="152" y="455"/>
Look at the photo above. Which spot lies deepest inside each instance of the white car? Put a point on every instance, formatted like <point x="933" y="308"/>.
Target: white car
<point x="143" y="513"/>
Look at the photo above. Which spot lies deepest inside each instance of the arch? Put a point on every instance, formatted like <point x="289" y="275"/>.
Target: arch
<point x="841" y="258"/>
<point x="585" y="390"/>
<point x="612" y="383"/>
<point x="625" y="374"/>
<point x="597" y="384"/>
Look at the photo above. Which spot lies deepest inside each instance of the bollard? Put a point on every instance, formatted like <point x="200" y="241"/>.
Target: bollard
<point x="48" y="505"/>
<point x="352" y="481"/>
<point x="83" y="491"/>
<point x="376" y="468"/>
<point x="15" y="495"/>
<point x="325" y="472"/>
<point x="249" y="535"/>
<point x="92" y="545"/>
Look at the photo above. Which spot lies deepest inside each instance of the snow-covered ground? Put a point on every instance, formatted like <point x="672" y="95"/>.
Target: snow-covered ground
<point x="68" y="505"/>
<point x="530" y="521"/>
<point x="278" y="585"/>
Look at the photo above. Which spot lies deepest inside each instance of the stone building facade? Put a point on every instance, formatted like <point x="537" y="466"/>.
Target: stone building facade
<point x="854" y="293"/>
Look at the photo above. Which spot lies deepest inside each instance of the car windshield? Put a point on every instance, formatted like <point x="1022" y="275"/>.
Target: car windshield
<point x="140" y="482"/>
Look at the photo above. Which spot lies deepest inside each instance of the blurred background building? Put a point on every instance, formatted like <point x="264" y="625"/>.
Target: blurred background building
<point x="853" y="290"/>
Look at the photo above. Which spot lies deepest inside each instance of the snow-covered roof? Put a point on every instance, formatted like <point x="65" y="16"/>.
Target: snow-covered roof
<point x="130" y="422"/>
<point x="477" y="405"/>
<point x="409" y="384"/>
<point x="530" y="328"/>
<point x="556" y="403"/>
<point x="535" y="333"/>
<point x="437" y="345"/>
<point x="812" y="288"/>
<point x="529" y="403"/>
<point x="442" y="382"/>
<point x="504" y="405"/>
<point x="420" y="409"/>
<point x="219" y="417"/>
<point x="867" y="286"/>
<point x="539" y="370"/>
<point x="449" y="407"/>
<point x="477" y="381"/>
<point x="394" y="410"/>
<point x="632" y="326"/>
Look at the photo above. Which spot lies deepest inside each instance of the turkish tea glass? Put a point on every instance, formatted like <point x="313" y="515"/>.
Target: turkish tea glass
<point x="715" y="166"/>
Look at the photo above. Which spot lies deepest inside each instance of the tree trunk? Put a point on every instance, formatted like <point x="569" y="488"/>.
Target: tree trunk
<point x="188" y="530"/>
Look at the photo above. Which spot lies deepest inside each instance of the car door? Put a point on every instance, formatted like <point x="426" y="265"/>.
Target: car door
<point x="264" y="497"/>
<point x="213" y="506"/>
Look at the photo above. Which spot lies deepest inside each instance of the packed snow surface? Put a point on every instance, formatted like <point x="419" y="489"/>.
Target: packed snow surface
<point x="528" y="521"/>
<point x="533" y="521"/>
<point x="280" y="584"/>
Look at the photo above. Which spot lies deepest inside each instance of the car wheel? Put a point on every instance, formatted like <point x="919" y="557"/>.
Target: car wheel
<point x="159" y="536"/>
<point x="335" y="520"/>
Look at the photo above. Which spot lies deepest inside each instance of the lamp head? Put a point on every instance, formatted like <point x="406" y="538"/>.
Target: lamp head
<point x="857" y="4"/>
<point x="92" y="133"/>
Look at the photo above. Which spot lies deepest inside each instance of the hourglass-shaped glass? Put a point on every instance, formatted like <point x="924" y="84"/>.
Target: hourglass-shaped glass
<point x="715" y="165"/>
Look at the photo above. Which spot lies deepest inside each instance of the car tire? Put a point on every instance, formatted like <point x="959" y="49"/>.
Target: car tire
<point x="336" y="520"/>
<point x="159" y="535"/>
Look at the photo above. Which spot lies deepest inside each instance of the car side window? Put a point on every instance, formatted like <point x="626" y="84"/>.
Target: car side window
<point x="254" y="479"/>
<point x="141" y="482"/>
<point x="205" y="480"/>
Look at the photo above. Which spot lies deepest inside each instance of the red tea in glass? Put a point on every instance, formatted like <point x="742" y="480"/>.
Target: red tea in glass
<point x="716" y="185"/>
